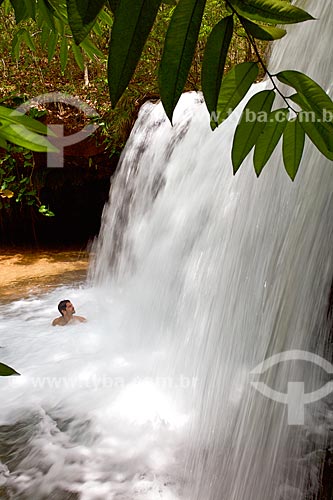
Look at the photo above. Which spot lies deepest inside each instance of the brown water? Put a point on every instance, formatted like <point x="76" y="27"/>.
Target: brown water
<point x="31" y="272"/>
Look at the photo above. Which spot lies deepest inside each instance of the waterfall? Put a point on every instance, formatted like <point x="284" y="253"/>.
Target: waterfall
<point x="222" y="272"/>
<point x="197" y="277"/>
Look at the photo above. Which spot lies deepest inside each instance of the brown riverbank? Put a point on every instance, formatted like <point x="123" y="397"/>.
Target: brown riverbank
<point x="26" y="272"/>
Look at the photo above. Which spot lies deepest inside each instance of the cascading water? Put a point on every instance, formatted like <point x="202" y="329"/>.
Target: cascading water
<point x="198" y="276"/>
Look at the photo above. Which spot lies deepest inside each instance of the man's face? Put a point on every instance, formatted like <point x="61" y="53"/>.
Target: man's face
<point x="69" y="308"/>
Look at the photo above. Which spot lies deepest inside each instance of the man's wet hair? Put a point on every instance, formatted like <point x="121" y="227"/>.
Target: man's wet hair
<point x="62" y="306"/>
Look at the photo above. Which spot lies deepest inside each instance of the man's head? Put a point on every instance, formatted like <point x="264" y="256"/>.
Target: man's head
<point x="65" y="306"/>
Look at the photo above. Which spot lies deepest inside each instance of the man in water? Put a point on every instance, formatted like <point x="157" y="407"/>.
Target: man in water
<point x="67" y="312"/>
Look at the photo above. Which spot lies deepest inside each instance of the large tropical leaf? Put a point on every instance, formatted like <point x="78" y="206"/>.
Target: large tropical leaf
<point x="11" y="116"/>
<point x="82" y="15"/>
<point x="251" y="124"/>
<point x="311" y="96"/>
<point x="20" y="135"/>
<point x="269" y="138"/>
<point x="214" y="61"/>
<point x="292" y="146"/>
<point x="314" y="125"/>
<point x="179" y="47"/>
<point x="234" y="87"/>
<point x="262" y="32"/>
<point x="130" y="30"/>
<point x="270" y="11"/>
<point x="318" y="134"/>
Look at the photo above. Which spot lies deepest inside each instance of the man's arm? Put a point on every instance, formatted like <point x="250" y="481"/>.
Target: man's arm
<point x="81" y="319"/>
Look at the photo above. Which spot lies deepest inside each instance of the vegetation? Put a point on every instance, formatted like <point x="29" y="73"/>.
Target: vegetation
<point x="191" y="47"/>
<point x="37" y="41"/>
<point x="30" y="49"/>
<point x="17" y="175"/>
<point x="223" y="93"/>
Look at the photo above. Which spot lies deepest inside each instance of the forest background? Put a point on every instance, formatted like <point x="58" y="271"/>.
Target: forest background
<point x="38" y="58"/>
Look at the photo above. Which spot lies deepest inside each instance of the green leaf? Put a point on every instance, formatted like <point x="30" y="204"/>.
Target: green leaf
<point x="31" y="8"/>
<point x="97" y="30"/>
<point x="311" y="95"/>
<point x="318" y="134"/>
<point x="91" y="50"/>
<point x="292" y="146"/>
<point x="59" y="26"/>
<point x="63" y="54"/>
<point x="53" y="40"/>
<point x="7" y="7"/>
<point x="105" y="17"/>
<point x="82" y="15"/>
<point x="179" y="47"/>
<point x="45" y="211"/>
<point x="21" y="35"/>
<point x="16" y="45"/>
<point x="45" y="34"/>
<point x="46" y="13"/>
<point x="78" y="56"/>
<point x="20" y="10"/>
<point x="251" y="124"/>
<point x="15" y="117"/>
<point x="28" y="40"/>
<point x="262" y="32"/>
<point x="10" y="179"/>
<point x="309" y="114"/>
<point x="299" y="101"/>
<point x="6" y="370"/>
<point x="17" y="134"/>
<point x="128" y="36"/>
<point x="269" y="138"/>
<point x="234" y="87"/>
<point x="270" y="11"/>
<point x="214" y="61"/>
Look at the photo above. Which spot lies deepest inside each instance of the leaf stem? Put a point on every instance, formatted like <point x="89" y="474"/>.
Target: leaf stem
<point x="260" y="59"/>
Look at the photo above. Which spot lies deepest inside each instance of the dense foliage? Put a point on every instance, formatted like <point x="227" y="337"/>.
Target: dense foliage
<point x="223" y="93"/>
<point x="79" y="26"/>
<point x="37" y="41"/>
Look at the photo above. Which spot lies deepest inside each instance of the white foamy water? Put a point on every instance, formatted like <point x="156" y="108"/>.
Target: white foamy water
<point x="197" y="277"/>
<point x="84" y="416"/>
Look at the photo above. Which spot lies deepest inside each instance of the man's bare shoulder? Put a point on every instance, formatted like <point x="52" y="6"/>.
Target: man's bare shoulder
<point x="81" y="319"/>
<point x="58" y="322"/>
<point x="61" y="321"/>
